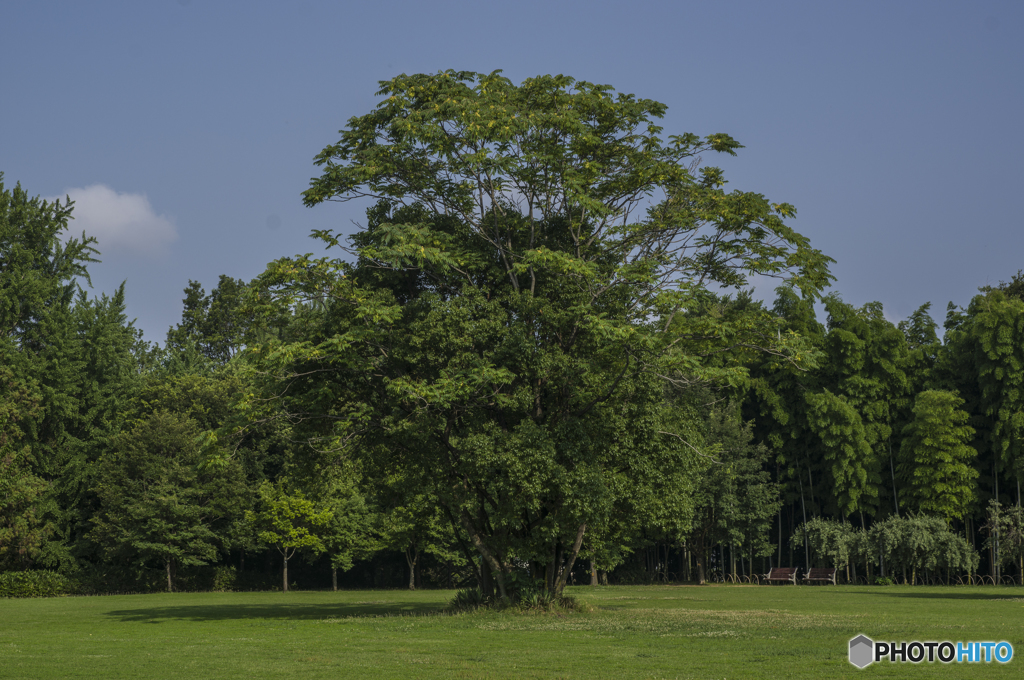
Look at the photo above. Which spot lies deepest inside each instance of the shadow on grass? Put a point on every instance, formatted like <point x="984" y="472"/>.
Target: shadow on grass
<point x="292" y="612"/>
<point x="949" y="593"/>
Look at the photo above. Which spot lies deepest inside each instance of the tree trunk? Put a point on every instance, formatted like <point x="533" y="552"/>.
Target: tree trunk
<point x="867" y="561"/>
<point x="488" y="559"/>
<point x="803" y="507"/>
<point x="778" y="478"/>
<point x="411" y="558"/>
<point x="792" y="521"/>
<point x="284" y="574"/>
<point x="486" y="582"/>
<point x="170" y="585"/>
<point x="892" y="472"/>
<point x="334" y="578"/>
<point x="593" y="572"/>
<point x="997" y="575"/>
<point x="810" y="487"/>
<point x="549" y="572"/>
<point x="572" y="560"/>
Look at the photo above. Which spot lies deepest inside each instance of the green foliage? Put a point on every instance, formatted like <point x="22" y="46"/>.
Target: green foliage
<point x="983" y="361"/>
<point x="467" y="600"/>
<point x="911" y="544"/>
<point x="916" y="543"/>
<point x="288" y="522"/>
<point x="23" y="529"/>
<point x="353" y="530"/>
<point x="72" y="370"/>
<point x="853" y="465"/>
<point x="935" y="459"/>
<point x="735" y="500"/>
<point x="213" y="325"/>
<point x="1005" y="528"/>
<point x="532" y="600"/>
<point x="998" y="329"/>
<point x="158" y="504"/>
<point x="831" y="541"/>
<point x="520" y="300"/>
<point x="36" y="584"/>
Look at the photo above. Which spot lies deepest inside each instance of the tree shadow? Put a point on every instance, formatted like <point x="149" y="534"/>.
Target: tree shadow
<point x="284" y="611"/>
<point x="951" y="594"/>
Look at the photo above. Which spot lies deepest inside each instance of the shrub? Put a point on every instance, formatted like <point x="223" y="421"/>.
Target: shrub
<point x="36" y="584"/>
<point x="472" y="599"/>
<point x="468" y="600"/>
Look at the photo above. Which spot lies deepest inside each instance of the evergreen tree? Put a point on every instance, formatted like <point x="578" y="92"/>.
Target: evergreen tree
<point x="213" y="325"/>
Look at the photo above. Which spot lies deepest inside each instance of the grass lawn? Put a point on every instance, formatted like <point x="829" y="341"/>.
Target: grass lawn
<point x="633" y="632"/>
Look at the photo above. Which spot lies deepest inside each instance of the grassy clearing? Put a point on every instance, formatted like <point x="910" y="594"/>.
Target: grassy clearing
<point x="633" y="632"/>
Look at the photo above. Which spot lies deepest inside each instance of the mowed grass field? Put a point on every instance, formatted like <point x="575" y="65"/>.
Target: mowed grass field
<point x="633" y="632"/>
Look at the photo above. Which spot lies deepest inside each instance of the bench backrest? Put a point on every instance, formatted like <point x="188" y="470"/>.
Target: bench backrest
<point x="821" y="572"/>
<point x="782" y="572"/>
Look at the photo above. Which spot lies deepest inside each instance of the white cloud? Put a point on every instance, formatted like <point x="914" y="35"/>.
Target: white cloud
<point x="120" y="222"/>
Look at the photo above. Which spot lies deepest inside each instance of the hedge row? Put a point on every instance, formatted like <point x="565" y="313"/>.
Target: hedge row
<point x="36" y="584"/>
<point x="119" y="581"/>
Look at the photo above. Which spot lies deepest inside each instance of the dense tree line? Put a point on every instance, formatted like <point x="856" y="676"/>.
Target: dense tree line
<point x="522" y="372"/>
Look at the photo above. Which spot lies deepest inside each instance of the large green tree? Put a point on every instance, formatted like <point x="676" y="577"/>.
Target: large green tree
<point x="74" y="355"/>
<point x="159" y="503"/>
<point x="983" y="361"/>
<point x="935" y="458"/>
<point x="537" y="268"/>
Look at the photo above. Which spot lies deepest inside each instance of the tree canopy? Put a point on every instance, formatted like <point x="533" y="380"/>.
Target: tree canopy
<point x="538" y="268"/>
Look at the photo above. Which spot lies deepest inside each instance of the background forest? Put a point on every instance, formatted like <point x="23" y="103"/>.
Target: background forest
<point x="505" y="383"/>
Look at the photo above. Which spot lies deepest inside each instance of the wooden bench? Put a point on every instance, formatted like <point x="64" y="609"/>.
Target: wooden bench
<point x="781" y="574"/>
<point x="821" y="574"/>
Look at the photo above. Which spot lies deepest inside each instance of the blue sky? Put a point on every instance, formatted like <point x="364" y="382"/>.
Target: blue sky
<point x="186" y="129"/>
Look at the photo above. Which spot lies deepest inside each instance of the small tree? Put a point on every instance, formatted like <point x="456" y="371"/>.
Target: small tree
<point x="831" y="541"/>
<point x="289" y="522"/>
<point x="351" y="533"/>
<point x="919" y="542"/>
<point x="1006" y="523"/>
